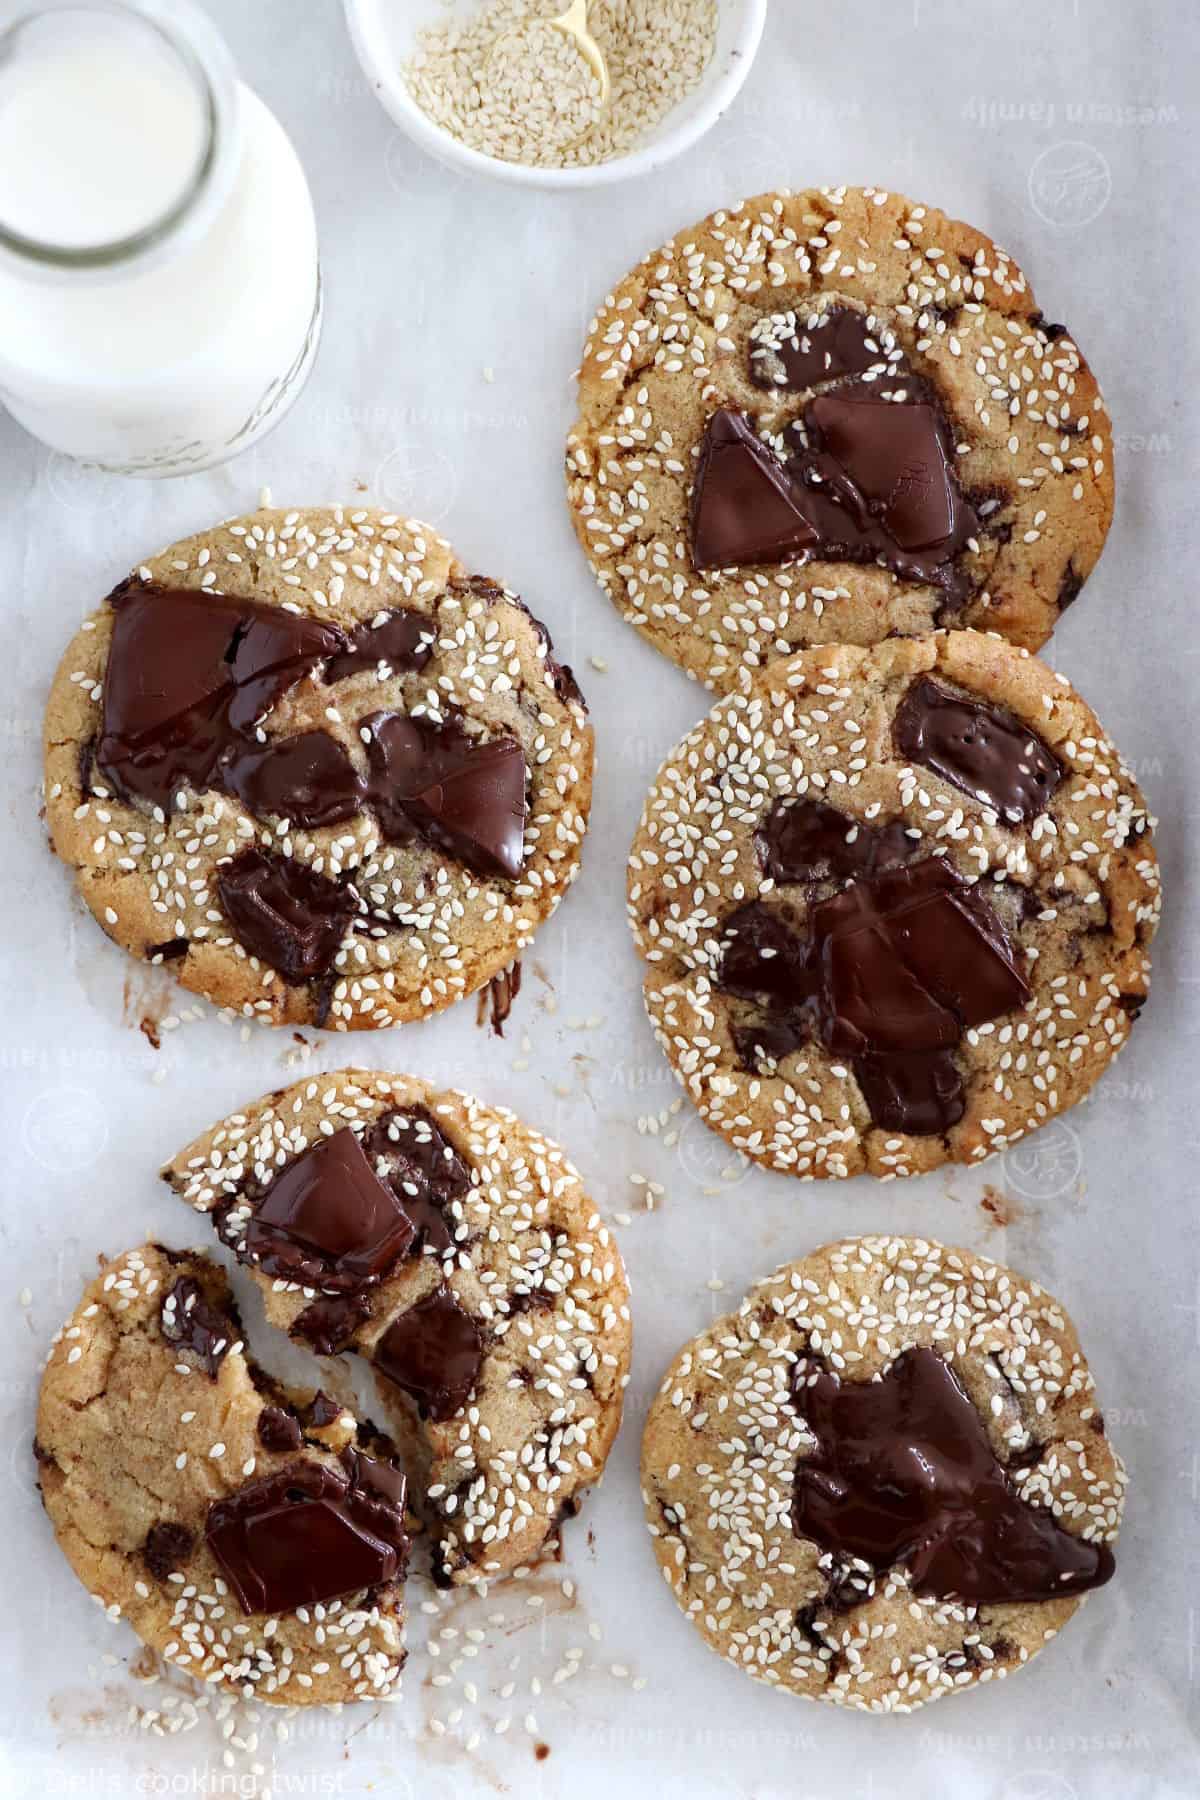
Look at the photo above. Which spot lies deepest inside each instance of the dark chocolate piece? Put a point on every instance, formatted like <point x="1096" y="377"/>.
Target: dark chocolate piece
<point x="466" y="795"/>
<point x="562" y="676"/>
<point x="311" y="1533"/>
<point x="167" y="1548"/>
<point x="433" y="1351"/>
<point x="189" y="1323"/>
<point x="424" y="1169"/>
<point x="1069" y="588"/>
<point x="770" y="1040"/>
<point x="910" y="959"/>
<point x="171" y="951"/>
<point x="870" y="478"/>
<point x="327" y="1221"/>
<point x="889" y="972"/>
<point x="897" y="458"/>
<point x="743" y="506"/>
<point x="279" y="1429"/>
<point x="327" y="1324"/>
<point x="764" y="958"/>
<point x="322" y="1410"/>
<point x="920" y="1092"/>
<point x="838" y="341"/>
<point x="808" y="840"/>
<point x="984" y="750"/>
<point x="308" y="780"/>
<point x="286" y="914"/>
<point x="403" y="640"/>
<point x="903" y="1473"/>
<point x="189" y="674"/>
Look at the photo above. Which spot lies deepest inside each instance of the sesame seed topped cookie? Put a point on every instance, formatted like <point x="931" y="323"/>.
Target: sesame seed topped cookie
<point x="319" y="770"/>
<point x="894" y="905"/>
<point x="884" y="1477"/>
<point x="255" y="1537"/>
<point x="455" y="1249"/>
<point x="833" y="416"/>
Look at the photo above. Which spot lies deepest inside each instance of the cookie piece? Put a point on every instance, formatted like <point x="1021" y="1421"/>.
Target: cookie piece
<point x="317" y="769"/>
<point x="833" y="417"/>
<point x="456" y="1249"/>
<point x="884" y="1478"/>
<point x="894" y="905"/>
<point x="251" y="1536"/>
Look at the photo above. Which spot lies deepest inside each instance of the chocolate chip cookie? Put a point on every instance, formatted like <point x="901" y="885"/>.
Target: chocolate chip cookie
<point x="894" y="905"/>
<point x="457" y="1250"/>
<point x="317" y="769"/>
<point x="833" y="417"/>
<point x="884" y="1478"/>
<point x="253" y="1536"/>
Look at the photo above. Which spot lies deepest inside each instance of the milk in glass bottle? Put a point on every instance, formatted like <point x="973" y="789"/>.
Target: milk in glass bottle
<point x="160" y="295"/>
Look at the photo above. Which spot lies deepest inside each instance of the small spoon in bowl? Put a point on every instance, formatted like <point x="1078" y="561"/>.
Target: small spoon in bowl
<point x="573" y="23"/>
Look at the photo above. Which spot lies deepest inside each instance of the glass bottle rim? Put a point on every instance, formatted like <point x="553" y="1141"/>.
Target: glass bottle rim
<point x="193" y="39"/>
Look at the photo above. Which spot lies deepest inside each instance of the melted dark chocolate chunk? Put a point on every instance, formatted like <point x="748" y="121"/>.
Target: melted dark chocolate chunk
<point x="327" y="1325"/>
<point x="562" y="677"/>
<point x="189" y="674"/>
<point x="189" y="1323"/>
<point x="1048" y="327"/>
<point x="308" y="780"/>
<point x="284" y="913"/>
<point x="171" y="951"/>
<point x="433" y="1351"/>
<point x="425" y="1171"/>
<point x="765" y="958"/>
<point x="1069" y="588"/>
<point x="403" y="640"/>
<point x="837" y="342"/>
<point x="327" y="1221"/>
<point x="744" y="509"/>
<point x="167" y="1548"/>
<point x="770" y="1041"/>
<point x="920" y="1092"/>
<point x="466" y="795"/>
<point x="322" y="1410"/>
<point x="983" y="750"/>
<point x="910" y="959"/>
<point x="807" y="840"/>
<point x="870" y="478"/>
<point x="495" y="1002"/>
<point x="890" y="462"/>
<point x="890" y="971"/>
<point x="904" y="1473"/>
<point x="278" y="1429"/>
<point x="311" y="1533"/>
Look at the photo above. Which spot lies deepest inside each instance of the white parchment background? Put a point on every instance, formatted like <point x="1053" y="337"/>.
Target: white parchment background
<point x="1067" y="129"/>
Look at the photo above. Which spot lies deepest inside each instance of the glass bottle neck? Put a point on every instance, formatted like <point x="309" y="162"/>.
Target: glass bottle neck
<point x="118" y="133"/>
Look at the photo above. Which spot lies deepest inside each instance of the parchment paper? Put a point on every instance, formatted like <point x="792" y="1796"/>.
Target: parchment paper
<point x="456" y="311"/>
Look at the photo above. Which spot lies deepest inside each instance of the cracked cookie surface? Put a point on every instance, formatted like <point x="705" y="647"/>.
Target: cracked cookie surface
<point x="150" y="1415"/>
<point x="728" y="1438"/>
<point x="894" y="906"/>
<point x="310" y="764"/>
<point x="739" y="318"/>
<point x="498" y="1325"/>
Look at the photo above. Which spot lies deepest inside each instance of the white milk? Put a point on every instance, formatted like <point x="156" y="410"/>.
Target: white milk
<point x="165" y="308"/>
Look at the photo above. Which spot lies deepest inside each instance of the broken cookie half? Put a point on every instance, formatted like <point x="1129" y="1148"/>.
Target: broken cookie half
<point x="252" y="1535"/>
<point x="457" y="1251"/>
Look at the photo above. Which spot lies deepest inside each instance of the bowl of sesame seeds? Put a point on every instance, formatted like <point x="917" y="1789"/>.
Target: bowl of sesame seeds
<point x="491" y="87"/>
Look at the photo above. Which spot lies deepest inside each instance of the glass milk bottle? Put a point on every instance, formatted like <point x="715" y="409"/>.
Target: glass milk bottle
<point x="160" y="296"/>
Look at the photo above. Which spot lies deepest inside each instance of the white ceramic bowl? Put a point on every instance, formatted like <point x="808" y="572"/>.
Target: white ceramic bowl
<point x="384" y="34"/>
